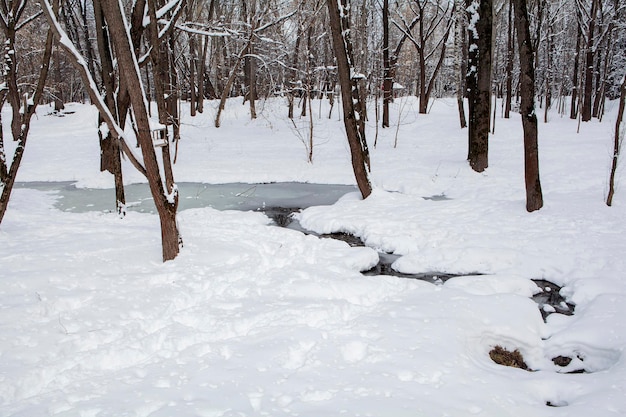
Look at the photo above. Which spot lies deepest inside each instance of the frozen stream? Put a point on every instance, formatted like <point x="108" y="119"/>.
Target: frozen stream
<point x="277" y="200"/>
<point x="234" y="196"/>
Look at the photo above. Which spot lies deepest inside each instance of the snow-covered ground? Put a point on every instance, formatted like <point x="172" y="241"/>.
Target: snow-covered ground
<point x="256" y="320"/>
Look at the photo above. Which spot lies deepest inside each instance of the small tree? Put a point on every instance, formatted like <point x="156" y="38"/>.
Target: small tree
<point x="354" y="110"/>
<point x="617" y="142"/>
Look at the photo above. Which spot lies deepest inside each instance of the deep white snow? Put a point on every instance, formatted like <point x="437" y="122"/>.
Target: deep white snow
<point x="256" y="320"/>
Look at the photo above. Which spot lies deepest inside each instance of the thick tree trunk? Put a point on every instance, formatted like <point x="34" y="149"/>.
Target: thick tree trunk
<point x="617" y="142"/>
<point x="354" y="119"/>
<point x="588" y="91"/>
<point x="534" y="196"/>
<point x="479" y="82"/>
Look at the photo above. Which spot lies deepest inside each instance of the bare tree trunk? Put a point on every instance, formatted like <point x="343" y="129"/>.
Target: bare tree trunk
<point x="602" y="73"/>
<point x="617" y="142"/>
<point x="387" y="76"/>
<point x="461" y="49"/>
<point x="479" y="82"/>
<point x="574" y="103"/>
<point x="433" y="78"/>
<point x="202" y="74"/>
<point x="588" y="91"/>
<point x="310" y="63"/>
<point x="193" y="99"/>
<point x="509" y="63"/>
<point x="229" y="84"/>
<point x="294" y="72"/>
<point x="110" y="158"/>
<point x="166" y="202"/>
<point x="252" y="78"/>
<point x="354" y="119"/>
<point x="534" y="196"/>
<point x="548" y="75"/>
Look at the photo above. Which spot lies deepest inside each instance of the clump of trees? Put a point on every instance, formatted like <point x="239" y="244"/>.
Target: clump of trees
<point x="123" y="56"/>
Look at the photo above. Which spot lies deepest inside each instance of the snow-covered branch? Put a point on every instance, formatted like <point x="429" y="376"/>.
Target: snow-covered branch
<point x="90" y="85"/>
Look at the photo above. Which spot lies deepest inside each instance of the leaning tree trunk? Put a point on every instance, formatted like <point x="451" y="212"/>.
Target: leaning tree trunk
<point x="354" y="118"/>
<point x="479" y="82"/>
<point x="617" y="143"/>
<point x="166" y="202"/>
<point x="534" y="197"/>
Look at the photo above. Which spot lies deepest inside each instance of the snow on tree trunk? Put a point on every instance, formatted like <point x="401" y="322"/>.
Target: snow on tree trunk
<point x="480" y="30"/>
<point x="354" y="118"/>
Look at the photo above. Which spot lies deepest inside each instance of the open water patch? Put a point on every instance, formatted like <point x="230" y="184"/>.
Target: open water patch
<point x="550" y="299"/>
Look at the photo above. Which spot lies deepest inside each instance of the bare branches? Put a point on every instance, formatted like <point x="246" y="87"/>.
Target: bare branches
<point x="90" y="84"/>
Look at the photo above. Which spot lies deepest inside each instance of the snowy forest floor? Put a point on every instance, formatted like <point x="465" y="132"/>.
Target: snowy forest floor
<point x="256" y="320"/>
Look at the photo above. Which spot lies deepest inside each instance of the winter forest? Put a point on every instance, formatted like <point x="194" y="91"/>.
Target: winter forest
<point x="312" y="207"/>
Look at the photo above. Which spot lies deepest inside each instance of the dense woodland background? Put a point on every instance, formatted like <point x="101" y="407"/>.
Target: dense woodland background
<point x="277" y="47"/>
<point x="568" y="54"/>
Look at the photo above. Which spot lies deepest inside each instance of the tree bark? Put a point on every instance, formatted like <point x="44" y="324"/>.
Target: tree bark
<point x="387" y="76"/>
<point x="617" y="142"/>
<point x="534" y="197"/>
<point x="202" y="75"/>
<point x="460" y="40"/>
<point x="110" y="159"/>
<point x="193" y="99"/>
<point x="479" y="82"/>
<point x="588" y="91"/>
<point x="574" y="102"/>
<point x="294" y="72"/>
<point x="509" y="64"/>
<point x="166" y="202"/>
<point x="354" y="119"/>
